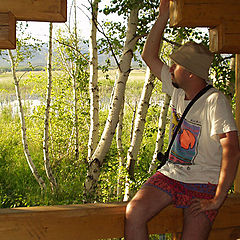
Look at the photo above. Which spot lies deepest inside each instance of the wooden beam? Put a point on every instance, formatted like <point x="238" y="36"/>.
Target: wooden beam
<point x="100" y="221"/>
<point x="237" y="113"/>
<point x="203" y="13"/>
<point x="7" y="31"/>
<point x="36" y="10"/>
<point x="225" y="38"/>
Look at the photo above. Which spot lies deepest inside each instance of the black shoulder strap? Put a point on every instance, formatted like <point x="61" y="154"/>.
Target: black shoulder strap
<point x="204" y="90"/>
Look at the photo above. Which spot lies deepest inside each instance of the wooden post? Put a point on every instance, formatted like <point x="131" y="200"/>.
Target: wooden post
<point x="176" y="236"/>
<point x="7" y="31"/>
<point x="237" y="113"/>
<point x="225" y="38"/>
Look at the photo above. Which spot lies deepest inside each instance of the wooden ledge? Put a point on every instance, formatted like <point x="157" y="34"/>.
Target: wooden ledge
<point x="203" y="13"/>
<point x="94" y="221"/>
<point x="37" y="10"/>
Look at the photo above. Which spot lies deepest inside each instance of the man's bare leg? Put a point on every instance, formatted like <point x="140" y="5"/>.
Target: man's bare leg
<point x="146" y="204"/>
<point x="195" y="227"/>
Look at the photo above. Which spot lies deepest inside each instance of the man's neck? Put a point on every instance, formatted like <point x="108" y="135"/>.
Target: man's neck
<point x="193" y="91"/>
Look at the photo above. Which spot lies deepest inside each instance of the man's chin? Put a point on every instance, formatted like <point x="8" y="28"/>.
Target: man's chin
<point x="175" y="85"/>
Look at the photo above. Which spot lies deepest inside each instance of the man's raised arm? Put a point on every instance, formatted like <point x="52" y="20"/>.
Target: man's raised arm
<point x="150" y="52"/>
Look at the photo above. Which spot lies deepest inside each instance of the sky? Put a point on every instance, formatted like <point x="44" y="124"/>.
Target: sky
<point x="39" y="30"/>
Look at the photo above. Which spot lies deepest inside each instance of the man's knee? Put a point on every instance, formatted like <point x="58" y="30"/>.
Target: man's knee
<point x="135" y="211"/>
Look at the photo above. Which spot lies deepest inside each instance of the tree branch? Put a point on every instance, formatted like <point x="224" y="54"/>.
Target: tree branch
<point x="64" y="44"/>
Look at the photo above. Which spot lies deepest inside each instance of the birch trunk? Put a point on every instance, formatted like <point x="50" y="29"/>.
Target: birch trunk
<point x="133" y="120"/>
<point x="23" y="126"/>
<point x="76" y="124"/>
<point x="120" y="153"/>
<point x="138" y="129"/>
<point x="117" y="101"/>
<point x="75" y="97"/>
<point x="161" y="132"/>
<point x="47" y="165"/>
<point x="140" y="122"/>
<point x="93" y="84"/>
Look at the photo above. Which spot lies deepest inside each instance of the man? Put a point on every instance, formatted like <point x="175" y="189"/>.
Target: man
<point x="204" y="157"/>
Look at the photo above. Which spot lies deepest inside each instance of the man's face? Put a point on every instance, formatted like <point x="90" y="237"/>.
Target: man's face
<point x="178" y="74"/>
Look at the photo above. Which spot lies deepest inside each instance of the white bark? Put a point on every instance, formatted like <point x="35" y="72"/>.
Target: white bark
<point x="117" y="101"/>
<point x="47" y="165"/>
<point x="76" y="124"/>
<point x="139" y="128"/>
<point x="23" y="126"/>
<point x="120" y="153"/>
<point x="161" y="132"/>
<point x="93" y="84"/>
<point x="75" y="96"/>
<point x="140" y="122"/>
<point x="133" y="120"/>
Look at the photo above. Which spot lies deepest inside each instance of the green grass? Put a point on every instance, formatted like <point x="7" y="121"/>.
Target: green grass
<point x="134" y="84"/>
<point x="6" y="82"/>
<point x="136" y="79"/>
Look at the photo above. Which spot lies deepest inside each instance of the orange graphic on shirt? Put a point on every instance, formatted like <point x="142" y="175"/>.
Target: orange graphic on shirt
<point x="187" y="139"/>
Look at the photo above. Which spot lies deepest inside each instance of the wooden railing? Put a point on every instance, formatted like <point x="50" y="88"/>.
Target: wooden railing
<point x="101" y="221"/>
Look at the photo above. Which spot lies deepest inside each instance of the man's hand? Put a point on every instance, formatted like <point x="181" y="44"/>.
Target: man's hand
<point x="200" y="205"/>
<point x="164" y="8"/>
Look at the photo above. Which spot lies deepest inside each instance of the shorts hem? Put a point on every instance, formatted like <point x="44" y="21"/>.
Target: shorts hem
<point x="152" y="185"/>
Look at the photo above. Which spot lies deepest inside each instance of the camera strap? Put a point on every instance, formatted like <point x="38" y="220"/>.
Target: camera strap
<point x="204" y="90"/>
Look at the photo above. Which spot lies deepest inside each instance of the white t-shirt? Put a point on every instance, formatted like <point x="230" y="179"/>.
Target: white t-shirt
<point x="196" y="153"/>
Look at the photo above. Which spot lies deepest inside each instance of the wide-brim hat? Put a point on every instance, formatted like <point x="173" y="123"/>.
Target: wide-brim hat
<point x="195" y="58"/>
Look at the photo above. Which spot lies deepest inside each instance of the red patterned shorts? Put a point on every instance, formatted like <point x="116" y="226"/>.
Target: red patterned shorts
<point x="183" y="193"/>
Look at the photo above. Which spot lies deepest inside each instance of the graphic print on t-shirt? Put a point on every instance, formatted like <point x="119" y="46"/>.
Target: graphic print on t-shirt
<point x="184" y="148"/>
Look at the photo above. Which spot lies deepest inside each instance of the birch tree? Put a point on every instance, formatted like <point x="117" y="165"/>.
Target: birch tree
<point x="47" y="164"/>
<point x="14" y="60"/>
<point x="103" y="146"/>
<point x="74" y="82"/>
<point x="140" y="122"/>
<point x="138" y="128"/>
<point x="126" y="45"/>
<point x="121" y="157"/>
<point x="161" y="132"/>
<point x="74" y="63"/>
<point x="93" y="83"/>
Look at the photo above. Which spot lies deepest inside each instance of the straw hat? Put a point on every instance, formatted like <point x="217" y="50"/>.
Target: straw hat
<point x="195" y="58"/>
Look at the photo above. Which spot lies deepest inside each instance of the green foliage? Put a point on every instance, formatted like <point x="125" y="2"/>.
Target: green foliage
<point x="224" y="76"/>
<point x="115" y="32"/>
<point x="16" y="178"/>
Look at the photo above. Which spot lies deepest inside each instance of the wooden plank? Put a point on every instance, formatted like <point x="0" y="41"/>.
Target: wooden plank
<point x="203" y="13"/>
<point x="90" y="221"/>
<point x="225" y="38"/>
<point x="7" y="31"/>
<point x="225" y="234"/>
<point x="229" y="214"/>
<point x="237" y="112"/>
<point x="36" y="10"/>
<point x="94" y="221"/>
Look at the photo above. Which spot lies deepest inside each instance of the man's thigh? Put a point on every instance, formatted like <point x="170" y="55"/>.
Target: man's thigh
<point x="147" y="202"/>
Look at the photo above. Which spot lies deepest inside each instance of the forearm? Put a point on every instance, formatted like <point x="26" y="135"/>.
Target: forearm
<point x="150" y="52"/>
<point x="229" y="166"/>
<point x="230" y="161"/>
<point x="152" y="45"/>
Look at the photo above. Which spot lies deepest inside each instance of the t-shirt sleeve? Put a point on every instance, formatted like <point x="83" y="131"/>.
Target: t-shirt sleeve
<point x="221" y="117"/>
<point x="167" y="86"/>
